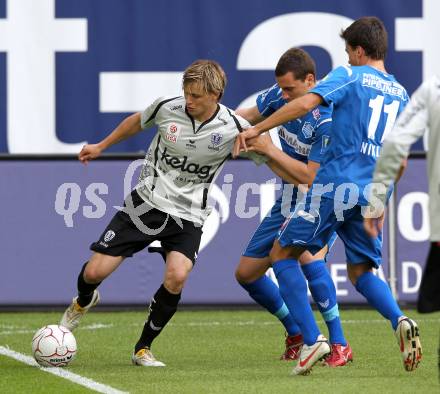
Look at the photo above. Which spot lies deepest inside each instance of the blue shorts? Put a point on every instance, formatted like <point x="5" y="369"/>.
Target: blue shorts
<point x="313" y="229"/>
<point x="265" y="235"/>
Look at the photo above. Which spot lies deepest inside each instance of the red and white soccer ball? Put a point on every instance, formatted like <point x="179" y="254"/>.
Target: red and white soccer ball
<point x="53" y="346"/>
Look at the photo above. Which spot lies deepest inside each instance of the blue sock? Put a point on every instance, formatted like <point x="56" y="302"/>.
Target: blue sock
<point x="293" y="290"/>
<point x="378" y="295"/>
<point x="324" y="294"/>
<point x="266" y="293"/>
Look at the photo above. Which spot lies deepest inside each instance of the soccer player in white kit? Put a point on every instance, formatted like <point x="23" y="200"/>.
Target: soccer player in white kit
<point x="195" y="137"/>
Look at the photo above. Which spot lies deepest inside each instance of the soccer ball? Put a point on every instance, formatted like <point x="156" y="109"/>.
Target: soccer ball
<point x="53" y="346"/>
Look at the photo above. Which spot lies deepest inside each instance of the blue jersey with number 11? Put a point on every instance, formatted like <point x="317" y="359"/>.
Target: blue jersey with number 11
<point x="366" y="103"/>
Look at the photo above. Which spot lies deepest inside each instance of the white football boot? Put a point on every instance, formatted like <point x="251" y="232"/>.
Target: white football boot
<point x="74" y="313"/>
<point x="408" y="339"/>
<point x="145" y="358"/>
<point x="310" y="355"/>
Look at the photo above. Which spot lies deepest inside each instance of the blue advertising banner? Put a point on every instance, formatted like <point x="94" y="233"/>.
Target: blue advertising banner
<point x="71" y="70"/>
<point x="53" y="210"/>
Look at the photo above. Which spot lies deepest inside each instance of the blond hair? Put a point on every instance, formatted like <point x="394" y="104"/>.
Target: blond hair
<point x="208" y="73"/>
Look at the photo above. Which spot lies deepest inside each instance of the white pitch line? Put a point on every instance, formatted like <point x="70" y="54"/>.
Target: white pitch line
<point x="62" y="373"/>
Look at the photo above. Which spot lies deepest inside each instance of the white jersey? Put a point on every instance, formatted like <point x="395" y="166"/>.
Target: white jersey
<point x="421" y="114"/>
<point x="185" y="157"/>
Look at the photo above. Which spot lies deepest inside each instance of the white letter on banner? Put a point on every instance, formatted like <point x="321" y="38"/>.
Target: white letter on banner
<point x="425" y="40"/>
<point x="133" y="91"/>
<point x="31" y="35"/>
<point x="260" y="51"/>
<point x="406" y="267"/>
<point x="405" y="216"/>
<point x="334" y="272"/>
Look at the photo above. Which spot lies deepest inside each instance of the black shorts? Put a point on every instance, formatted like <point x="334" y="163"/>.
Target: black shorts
<point x="124" y="237"/>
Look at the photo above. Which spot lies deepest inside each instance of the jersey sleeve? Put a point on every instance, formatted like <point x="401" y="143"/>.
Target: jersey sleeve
<point x="269" y="101"/>
<point x="244" y="124"/>
<point x="333" y="88"/>
<point x="321" y="140"/>
<point x="148" y="116"/>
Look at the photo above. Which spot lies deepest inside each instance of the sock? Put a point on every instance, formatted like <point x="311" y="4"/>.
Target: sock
<point x="378" y="295"/>
<point x="293" y="290"/>
<point x="162" y="308"/>
<point x="266" y="293"/>
<point x="85" y="290"/>
<point x="324" y="294"/>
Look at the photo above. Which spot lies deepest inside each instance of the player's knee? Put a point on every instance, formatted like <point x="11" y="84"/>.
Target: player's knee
<point x="354" y="271"/>
<point x="175" y="280"/>
<point x="353" y="277"/>
<point x="174" y="286"/>
<point x="241" y="275"/>
<point x="93" y="274"/>
<point x="307" y="258"/>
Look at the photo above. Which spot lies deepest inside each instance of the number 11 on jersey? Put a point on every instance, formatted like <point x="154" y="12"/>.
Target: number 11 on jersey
<point x="378" y="108"/>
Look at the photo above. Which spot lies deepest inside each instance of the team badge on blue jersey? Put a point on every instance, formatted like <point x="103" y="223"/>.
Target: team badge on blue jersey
<point x="307" y="129"/>
<point x="216" y="138"/>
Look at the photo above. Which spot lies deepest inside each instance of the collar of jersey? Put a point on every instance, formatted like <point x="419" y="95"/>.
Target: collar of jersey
<point x="205" y="122"/>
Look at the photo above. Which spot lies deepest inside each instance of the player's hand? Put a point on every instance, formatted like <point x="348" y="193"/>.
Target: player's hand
<point x="261" y="144"/>
<point x="373" y="226"/>
<point x="89" y="152"/>
<point x="240" y="141"/>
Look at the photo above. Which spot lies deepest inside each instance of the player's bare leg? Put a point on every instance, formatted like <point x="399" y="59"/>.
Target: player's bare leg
<point x="162" y="307"/>
<point x="249" y="269"/>
<point x="99" y="267"/>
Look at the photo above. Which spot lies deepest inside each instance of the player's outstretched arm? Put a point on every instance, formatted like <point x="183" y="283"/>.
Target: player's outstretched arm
<point x="292" y="110"/>
<point x="251" y="114"/>
<point x="128" y="127"/>
<point x="296" y="172"/>
<point x="289" y="169"/>
<point x="240" y="144"/>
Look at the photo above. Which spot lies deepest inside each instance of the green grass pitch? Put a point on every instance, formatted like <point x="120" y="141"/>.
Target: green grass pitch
<point x="219" y="352"/>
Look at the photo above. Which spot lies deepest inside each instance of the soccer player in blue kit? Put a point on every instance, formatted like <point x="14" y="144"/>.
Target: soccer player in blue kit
<point x="366" y="101"/>
<point x="297" y="163"/>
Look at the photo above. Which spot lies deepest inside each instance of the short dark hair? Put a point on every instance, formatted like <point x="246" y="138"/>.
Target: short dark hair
<point x="297" y="61"/>
<point x="369" y="33"/>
